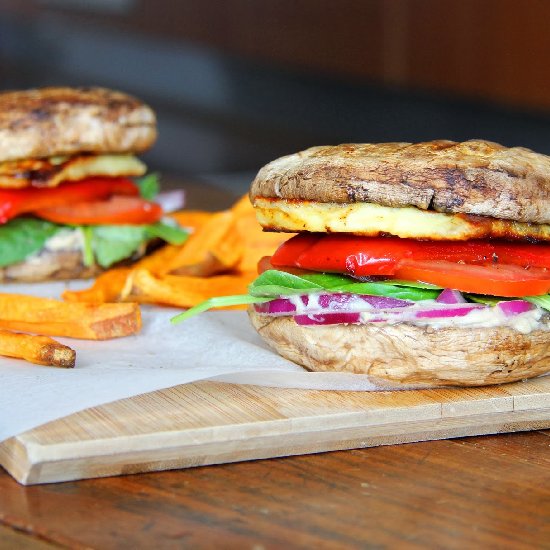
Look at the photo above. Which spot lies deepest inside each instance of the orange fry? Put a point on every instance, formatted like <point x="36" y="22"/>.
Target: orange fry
<point x="256" y="242"/>
<point x="242" y="206"/>
<point x="107" y="287"/>
<point x="215" y="247"/>
<point x="40" y="350"/>
<point x="157" y="261"/>
<point x="219" y="258"/>
<point x="72" y="319"/>
<point x="183" y="291"/>
<point x="193" y="219"/>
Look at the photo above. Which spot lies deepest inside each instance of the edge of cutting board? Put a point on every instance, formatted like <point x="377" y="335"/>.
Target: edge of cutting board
<point x="212" y="423"/>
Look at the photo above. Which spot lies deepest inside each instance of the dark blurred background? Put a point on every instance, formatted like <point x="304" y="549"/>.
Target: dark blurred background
<point x="237" y="83"/>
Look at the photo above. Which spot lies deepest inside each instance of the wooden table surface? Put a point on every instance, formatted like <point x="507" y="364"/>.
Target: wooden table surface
<point x="478" y="492"/>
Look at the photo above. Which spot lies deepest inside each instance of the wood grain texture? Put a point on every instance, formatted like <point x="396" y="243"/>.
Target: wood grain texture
<point x="212" y="423"/>
<point x="481" y="492"/>
<point x="11" y="539"/>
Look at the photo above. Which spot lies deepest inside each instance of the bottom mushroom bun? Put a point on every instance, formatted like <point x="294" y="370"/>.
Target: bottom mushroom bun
<point x="421" y="264"/>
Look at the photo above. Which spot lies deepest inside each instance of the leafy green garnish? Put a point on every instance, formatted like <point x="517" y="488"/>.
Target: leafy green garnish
<point x="88" y="256"/>
<point x="541" y="301"/>
<point x="393" y="291"/>
<point x="273" y="284"/>
<point x="484" y="299"/>
<point x="113" y="243"/>
<point x="104" y="244"/>
<point x="413" y="284"/>
<point x="21" y="237"/>
<point x="149" y="186"/>
<point x="218" y="301"/>
<point x="171" y="233"/>
<point x="278" y="283"/>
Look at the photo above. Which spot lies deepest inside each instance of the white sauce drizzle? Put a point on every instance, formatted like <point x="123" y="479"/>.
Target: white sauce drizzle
<point x="483" y="317"/>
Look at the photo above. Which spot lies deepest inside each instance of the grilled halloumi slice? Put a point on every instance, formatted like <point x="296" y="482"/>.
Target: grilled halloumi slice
<point x="370" y="219"/>
<point x="50" y="172"/>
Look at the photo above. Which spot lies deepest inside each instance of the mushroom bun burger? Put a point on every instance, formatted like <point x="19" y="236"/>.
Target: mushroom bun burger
<point x="422" y="264"/>
<point x="74" y="197"/>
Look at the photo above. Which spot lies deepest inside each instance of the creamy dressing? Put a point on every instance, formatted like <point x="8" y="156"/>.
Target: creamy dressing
<point x="478" y="317"/>
<point x="489" y="317"/>
<point x="354" y="304"/>
<point x="66" y="240"/>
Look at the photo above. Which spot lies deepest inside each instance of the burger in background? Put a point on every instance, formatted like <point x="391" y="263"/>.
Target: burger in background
<point x="74" y="198"/>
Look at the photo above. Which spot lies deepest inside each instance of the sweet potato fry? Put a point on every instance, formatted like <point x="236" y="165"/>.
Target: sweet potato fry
<point x="194" y="219"/>
<point x="158" y="261"/>
<point x="243" y="206"/>
<point x="213" y="248"/>
<point x="182" y="291"/>
<point x="40" y="350"/>
<point x="107" y="287"/>
<point x="224" y="250"/>
<point x="73" y="319"/>
<point x="256" y="242"/>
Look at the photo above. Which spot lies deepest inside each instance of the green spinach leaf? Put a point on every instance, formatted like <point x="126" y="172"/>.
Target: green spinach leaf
<point x="21" y="237"/>
<point x="113" y="243"/>
<point x="149" y="186"/>
<point x="275" y="283"/>
<point x="171" y="233"/>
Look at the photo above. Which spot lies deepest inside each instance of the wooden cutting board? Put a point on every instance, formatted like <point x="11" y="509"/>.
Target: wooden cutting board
<point x="212" y="423"/>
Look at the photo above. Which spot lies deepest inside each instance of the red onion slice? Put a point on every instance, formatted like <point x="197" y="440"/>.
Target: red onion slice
<point x="342" y="308"/>
<point x="515" y="307"/>
<point x="329" y="303"/>
<point x="450" y="296"/>
<point x="170" y="201"/>
<point x="280" y="306"/>
<point x="342" y="301"/>
<point x="449" y="311"/>
<point x="328" y="319"/>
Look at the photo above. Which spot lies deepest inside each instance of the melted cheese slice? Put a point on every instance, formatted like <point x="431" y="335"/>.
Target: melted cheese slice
<point x="50" y="172"/>
<point x="373" y="219"/>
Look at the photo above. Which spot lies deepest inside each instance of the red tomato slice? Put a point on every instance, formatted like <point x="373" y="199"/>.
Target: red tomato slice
<point x="363" y="256"/>
<point x="116" y="210"/>
<point x="341" y="253"/>
<point x="481" y="266"/>
<point x="526" y="255"/>
<point x="21" y="201"/>
<point x="265" y="264"/>
<point x="496" y="280"/>
<point x="287" y="253"/>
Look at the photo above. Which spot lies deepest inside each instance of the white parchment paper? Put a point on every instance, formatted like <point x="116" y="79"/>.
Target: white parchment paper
<point x="220" y="345"/>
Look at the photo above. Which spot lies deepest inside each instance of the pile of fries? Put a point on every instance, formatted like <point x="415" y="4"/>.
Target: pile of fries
<point x="21" y="314"/>
<point x="219" y="258"/>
